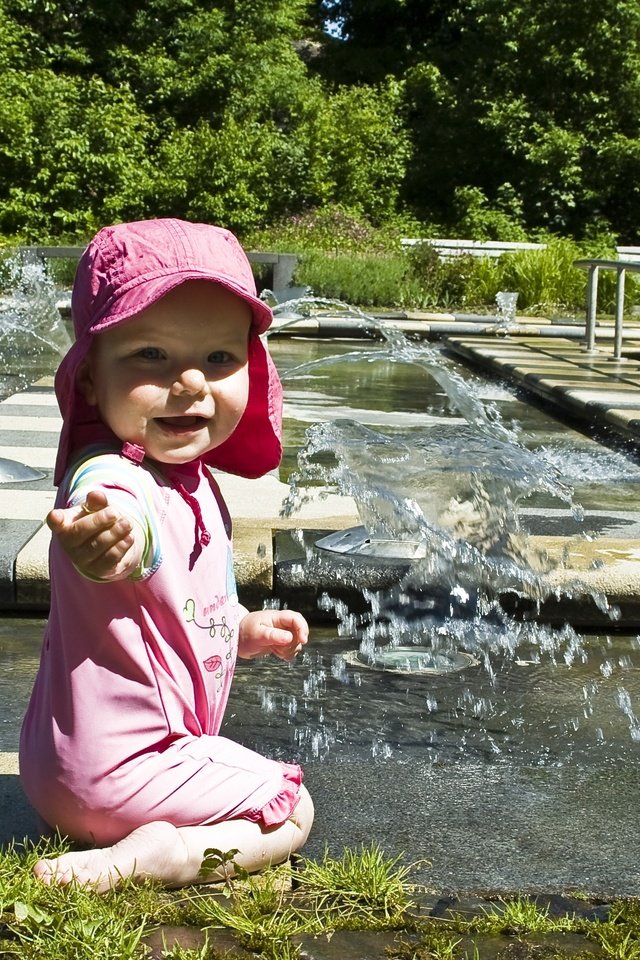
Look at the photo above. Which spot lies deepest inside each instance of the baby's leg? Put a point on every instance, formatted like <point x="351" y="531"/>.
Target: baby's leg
<point x="174" y="855"/>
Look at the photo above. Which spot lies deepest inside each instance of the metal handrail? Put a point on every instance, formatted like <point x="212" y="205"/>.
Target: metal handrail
<point x="283" y="264"/>
<point x="594" y="266"/>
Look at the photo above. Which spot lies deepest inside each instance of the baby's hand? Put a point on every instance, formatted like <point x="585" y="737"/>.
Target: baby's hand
<point x="281" y="632"/>
<point x="100" y="542"/>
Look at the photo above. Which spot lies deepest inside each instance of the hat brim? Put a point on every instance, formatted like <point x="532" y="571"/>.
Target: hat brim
<point x="142" y="293"/>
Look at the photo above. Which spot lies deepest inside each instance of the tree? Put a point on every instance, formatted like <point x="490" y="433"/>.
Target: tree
<point x="368" y="40"/>
<point x="358" y="150"/>
<point x="532" y="104"/>
<point x="491" y="115"/>
<point x="73" y="155"/>
<point x="100" y="101"/>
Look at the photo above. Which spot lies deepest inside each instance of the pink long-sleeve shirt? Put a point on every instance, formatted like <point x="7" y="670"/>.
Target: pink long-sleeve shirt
<point x="123" y="723"/>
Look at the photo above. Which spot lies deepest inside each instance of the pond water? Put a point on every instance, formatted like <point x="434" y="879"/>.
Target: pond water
<point x="535" y="791"/>
<point x="517" y="772"/>
<point x="399" y="398"/>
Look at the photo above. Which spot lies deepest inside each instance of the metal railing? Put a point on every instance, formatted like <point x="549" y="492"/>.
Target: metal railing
<point x="282" y="265"/>
<point x="447" y="249"/>
<point x="593" y="266"/>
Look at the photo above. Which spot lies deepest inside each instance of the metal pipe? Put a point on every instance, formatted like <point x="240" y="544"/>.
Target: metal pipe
<point x="617" y="342"/>
<point x="592" y="300"/>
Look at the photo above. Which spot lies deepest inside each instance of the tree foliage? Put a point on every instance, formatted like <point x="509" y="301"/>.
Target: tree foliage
<point x="494" y="118"/>
<point x="195" y="109"/>
<point x="533" y="100"/>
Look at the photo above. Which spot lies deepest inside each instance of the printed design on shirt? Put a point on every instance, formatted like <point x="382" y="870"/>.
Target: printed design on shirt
<point x="213" y="665"/>
<point x="215" y="628"/>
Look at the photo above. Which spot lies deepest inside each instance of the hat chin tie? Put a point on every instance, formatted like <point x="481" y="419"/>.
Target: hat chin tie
<point x="136" y="454"/>
<point x="133" y="452"/>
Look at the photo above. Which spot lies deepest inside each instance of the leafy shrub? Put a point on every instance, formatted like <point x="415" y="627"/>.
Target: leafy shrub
<point x="333" y="228"/>
<point x="450" y="282"/>
<point x="365" y="280"/>
<point x="477" y="219"/>
<point x="74" y="156"/>
<point x="546" y="280"/>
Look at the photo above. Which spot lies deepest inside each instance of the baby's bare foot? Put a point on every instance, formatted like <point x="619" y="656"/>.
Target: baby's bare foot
<point x="154" y="850"/>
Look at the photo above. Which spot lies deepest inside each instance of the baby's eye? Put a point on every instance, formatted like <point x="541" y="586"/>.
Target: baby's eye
<point x="149" y="353"/>
<point x="219" y="356"/>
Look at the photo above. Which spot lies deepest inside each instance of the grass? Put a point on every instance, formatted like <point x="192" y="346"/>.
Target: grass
<point x="362" y="884"/>
<point x="519" y="915"/>
<point x="361" y="890"/>
<point x="273" y="914"/>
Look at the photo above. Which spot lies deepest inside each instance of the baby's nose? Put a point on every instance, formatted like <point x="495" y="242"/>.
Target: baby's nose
<point x="190" y="381"/>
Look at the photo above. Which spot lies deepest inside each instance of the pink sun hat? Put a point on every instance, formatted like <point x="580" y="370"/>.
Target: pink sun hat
<point x="124" y="270"/>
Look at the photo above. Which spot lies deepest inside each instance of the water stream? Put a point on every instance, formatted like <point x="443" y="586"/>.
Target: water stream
<point x="453" y="492"/>
<point x="33" y="336"/>
<point x="522" y="765"/>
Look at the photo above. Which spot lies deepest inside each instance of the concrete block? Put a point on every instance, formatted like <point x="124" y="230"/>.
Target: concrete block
<point x="15" y="533"/>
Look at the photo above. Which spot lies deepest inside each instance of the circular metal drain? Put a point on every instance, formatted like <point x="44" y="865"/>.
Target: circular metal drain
<point x="411" y="659"/>
<point x="11" y="471"/>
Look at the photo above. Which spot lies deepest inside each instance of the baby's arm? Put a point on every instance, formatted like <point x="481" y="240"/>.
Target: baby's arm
<point x="102" y="543"/>
<point x="281" y="632"/>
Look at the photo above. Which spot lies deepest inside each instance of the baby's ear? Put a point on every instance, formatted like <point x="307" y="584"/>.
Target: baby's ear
<point x="84" y="382"/>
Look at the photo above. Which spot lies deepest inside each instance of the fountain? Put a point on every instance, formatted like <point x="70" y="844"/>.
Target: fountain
<point x="33" y="337"/>
<point x="441" y="551"/>
<point x="445" y="695"/>
<point x="506" y="302"/>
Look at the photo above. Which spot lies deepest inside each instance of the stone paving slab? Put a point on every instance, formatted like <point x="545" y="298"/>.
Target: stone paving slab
<point x="599" y="393"/>
<point x="597" y="390"/>
<point x="626" y="419"/>
<point x="43" y="458"/>
<point x="15" y="534"/>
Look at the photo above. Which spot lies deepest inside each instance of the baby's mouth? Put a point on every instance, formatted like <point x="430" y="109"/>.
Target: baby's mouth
<point x="181" y="424"/>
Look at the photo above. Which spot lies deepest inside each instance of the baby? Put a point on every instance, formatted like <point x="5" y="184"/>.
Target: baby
<point x="120" y="746"/>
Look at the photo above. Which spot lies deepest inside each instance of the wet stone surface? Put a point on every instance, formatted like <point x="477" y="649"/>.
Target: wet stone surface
<point x="349" y="945"/>
<point x="413" y="942"/>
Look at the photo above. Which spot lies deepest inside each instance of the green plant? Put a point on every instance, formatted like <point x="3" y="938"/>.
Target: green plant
<point x="333" y="228"/>
<point x="364" y="280"/>
<point x="69" y="923"/>
<point x="616" y="943"/>
<point x="454" y="281"/>
<point x="444" y="946"/>
<point x="517" y="916"/>
<point x="545" y="278"/>
<point x="619" y="936"/>
<point x="477" y="219"/>
<point x="73" y="924"/>
<point x="363" y="878"/>
<point x="267" y="931"/>
<point x="363" y="889"/>
<point x="188" y="953"/>
<point x="221" y="866"/>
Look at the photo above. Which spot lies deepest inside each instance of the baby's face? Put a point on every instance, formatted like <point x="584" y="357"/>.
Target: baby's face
<point x="174" y="379"/>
